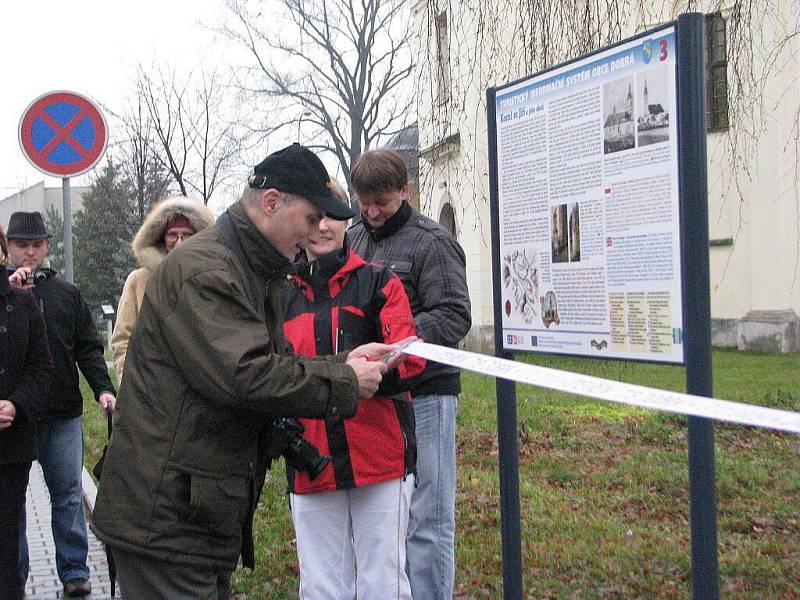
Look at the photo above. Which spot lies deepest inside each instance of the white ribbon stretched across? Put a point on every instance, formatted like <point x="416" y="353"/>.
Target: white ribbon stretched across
<point x="613" y="391"/>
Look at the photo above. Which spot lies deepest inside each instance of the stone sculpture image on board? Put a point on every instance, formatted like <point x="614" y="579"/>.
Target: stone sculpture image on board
<point x="521" y="280"/>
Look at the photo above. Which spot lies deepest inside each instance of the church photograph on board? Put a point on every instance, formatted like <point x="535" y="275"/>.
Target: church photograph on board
<point x="652" y="121"/>
<point x="618" y="112"/>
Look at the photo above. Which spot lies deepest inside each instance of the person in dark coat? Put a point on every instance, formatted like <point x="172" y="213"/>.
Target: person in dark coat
<point x="207" y="371"/>
<point x="432" y="266"/>
<point x="73" y="342"/>
<point x="25" y="372"/>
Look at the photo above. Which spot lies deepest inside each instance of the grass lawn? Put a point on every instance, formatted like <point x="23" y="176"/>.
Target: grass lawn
<point x="604" y="491"/>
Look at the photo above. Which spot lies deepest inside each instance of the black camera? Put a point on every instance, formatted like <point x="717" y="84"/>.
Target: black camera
<point x="36" y="277"/>
<point x="286" y="440"/>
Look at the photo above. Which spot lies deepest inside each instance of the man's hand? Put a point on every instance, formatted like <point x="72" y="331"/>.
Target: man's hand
<point x="108" y="401"/>
<point x="369" y="373"/>
<point x="390" y="354"/>
<point x="369" y="364"/>
<point x="7" y="413"/>
<point x="18" y="278"/>
<point x="371" y="351"/>
<point x="376" y="350"/>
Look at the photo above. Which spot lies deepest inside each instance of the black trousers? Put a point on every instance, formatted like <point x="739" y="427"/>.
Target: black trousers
<point x="13" y="483"/>
<point x="144" y="578"/>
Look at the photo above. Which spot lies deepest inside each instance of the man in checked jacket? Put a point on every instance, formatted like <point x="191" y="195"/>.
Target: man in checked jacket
<point x="432" y="267"/>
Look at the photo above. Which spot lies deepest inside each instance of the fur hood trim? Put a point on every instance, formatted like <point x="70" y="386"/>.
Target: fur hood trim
<point x="148" y="245"/>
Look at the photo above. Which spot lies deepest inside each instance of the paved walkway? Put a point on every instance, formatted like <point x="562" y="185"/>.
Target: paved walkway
<point x="43" y="583"/>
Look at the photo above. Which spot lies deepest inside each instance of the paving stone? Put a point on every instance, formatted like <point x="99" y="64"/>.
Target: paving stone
<point x="43" y="582"/>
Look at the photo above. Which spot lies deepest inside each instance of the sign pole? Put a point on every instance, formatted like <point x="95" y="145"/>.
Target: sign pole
<point x="508" y="455"/>
<point x="697" y="310"/>
<point x="67" y="206"/>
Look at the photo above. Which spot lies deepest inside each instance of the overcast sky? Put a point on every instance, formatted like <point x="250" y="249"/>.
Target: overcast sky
<point x="90" y="47"/>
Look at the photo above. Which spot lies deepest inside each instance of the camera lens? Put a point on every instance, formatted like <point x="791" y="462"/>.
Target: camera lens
<point x="318" y="467"/>
<point x="304" y="456"/>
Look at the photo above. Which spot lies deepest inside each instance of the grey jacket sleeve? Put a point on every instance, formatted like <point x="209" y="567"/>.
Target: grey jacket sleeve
<point x="442" y="288"/>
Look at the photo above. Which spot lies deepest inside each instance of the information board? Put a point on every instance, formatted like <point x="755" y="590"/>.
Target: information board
<point x="588" y="205"/>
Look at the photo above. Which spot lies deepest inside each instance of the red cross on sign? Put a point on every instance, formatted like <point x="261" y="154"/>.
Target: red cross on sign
<point x="63" y="134"/>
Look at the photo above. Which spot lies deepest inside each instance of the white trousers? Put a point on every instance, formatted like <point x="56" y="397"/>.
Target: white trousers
<point x="352" y="543"/>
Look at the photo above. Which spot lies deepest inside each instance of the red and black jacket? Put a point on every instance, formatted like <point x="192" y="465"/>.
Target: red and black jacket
<point x="341" y="302"/>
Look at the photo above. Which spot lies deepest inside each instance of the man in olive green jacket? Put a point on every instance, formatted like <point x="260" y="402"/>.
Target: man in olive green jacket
<point x="207" y="371"/>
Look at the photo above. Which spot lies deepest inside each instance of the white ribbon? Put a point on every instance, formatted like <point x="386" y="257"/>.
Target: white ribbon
<point x="613" y="391"/>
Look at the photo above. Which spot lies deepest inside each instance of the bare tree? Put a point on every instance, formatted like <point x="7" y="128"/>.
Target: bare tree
<point x="341" y="69"/>
<point x="217" y="143"/>
<point x="137" y="153"/>
<point x="170" y="118"/>
<point x="193" y="121"/>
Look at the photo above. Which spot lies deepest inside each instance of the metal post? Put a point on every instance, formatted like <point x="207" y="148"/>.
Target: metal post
<point x="67" y="205"/>
<point x="506" y="397"/>
<point x="696" y="298"/>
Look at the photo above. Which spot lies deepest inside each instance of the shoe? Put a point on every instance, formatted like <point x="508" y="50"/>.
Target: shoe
<point x="77" y="587"/>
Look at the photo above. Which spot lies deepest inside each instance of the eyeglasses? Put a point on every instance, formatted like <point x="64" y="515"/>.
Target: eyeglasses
<point x="173" y="237"/>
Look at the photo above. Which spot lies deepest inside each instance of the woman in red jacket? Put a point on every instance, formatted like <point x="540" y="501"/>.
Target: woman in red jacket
<point x="351" y="519"/>
<point x="25" y="371"/>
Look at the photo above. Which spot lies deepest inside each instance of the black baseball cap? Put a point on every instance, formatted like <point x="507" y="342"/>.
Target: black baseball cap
<point x="297" y="170"/>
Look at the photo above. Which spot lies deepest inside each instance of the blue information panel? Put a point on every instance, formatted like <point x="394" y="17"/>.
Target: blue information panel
<point x="588" y="200"/>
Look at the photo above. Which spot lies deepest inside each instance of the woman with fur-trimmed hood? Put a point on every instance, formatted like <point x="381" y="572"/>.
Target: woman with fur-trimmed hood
<point x="168" y="223"/>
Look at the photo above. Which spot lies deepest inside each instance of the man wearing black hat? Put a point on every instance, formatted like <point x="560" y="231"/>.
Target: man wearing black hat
<point x="207" y="372"/>
<point x="73" y="343"/>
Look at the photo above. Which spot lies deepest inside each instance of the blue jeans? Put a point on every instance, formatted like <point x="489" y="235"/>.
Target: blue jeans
<point x="430" y="544"/>
<point x="61" y="456"/>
